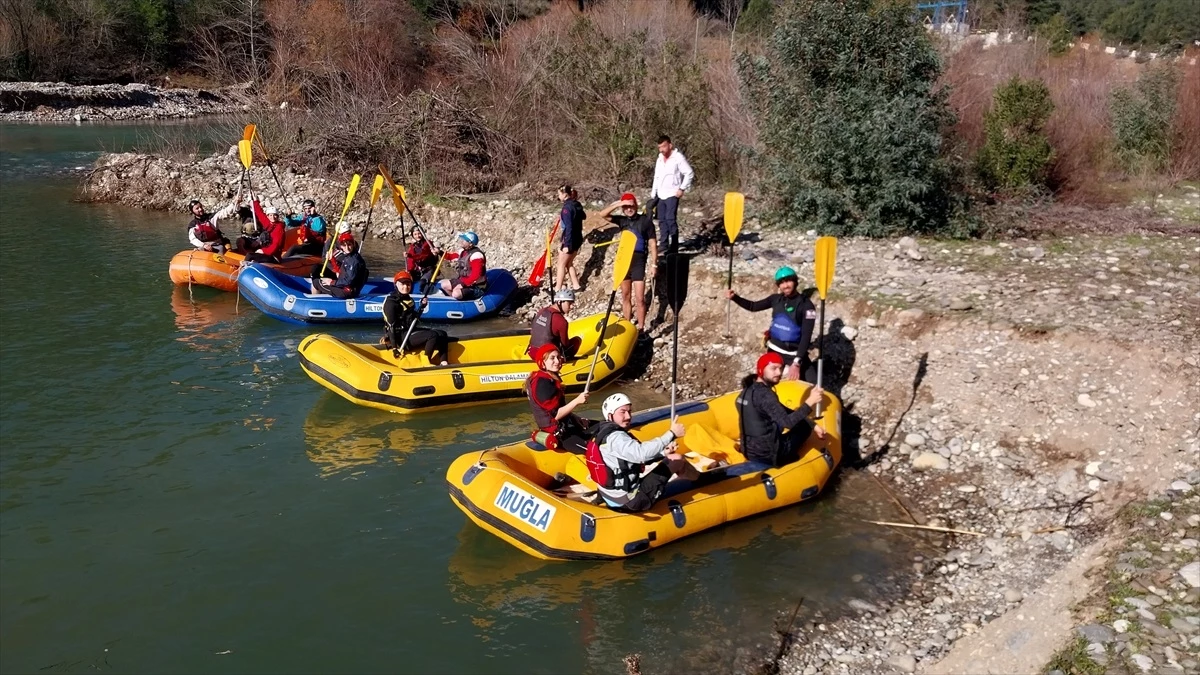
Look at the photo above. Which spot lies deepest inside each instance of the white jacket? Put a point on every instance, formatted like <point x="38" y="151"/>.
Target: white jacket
<point x="621" y="444"/>
<point x="212" y="220"/>
<point x="671" y="174"/>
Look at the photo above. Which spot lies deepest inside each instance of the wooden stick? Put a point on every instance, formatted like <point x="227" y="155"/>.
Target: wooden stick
<point x="895" y="500"/>
<point x="931" y="528"/>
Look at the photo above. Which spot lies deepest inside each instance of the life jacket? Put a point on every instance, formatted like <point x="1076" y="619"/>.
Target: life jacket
<point x="308" y="234"/>
<point x="628" y="475"/>
<point x="754" y="426"/>
<point x="784" y="327"/>
<point x="205" y="230"/>
<point x="405" y="314"/>
<point x="544" y="419"/>
<point x="542" y="332"/>
<point x="464" y="267"/>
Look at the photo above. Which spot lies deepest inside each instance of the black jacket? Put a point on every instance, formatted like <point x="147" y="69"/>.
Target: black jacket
<point x="763" y="419"/>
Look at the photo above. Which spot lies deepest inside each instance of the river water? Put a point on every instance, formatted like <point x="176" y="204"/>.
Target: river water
<point x="177" y="496"/>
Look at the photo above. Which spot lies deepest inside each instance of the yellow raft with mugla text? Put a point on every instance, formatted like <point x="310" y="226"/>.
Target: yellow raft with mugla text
<point x="482" y="369"/>
<point x="506" y="491"/>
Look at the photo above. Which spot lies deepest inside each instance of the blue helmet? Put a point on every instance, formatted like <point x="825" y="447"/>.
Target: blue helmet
<point x="469" y="237"/>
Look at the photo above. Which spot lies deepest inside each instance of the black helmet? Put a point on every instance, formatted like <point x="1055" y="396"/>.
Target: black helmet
<point x="192" y="204"/>
<point x="309" y="202"/>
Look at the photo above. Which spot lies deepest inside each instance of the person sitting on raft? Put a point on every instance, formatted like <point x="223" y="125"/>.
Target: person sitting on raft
<point x="550" y="326"/>
<point x="311" y="239"/>
<point x="557" y="424"/>
<point x="793" y="317"/>
<point x="763" y="418"/>
<point x="616" y="460"/>
<point x="471" y="282"/>
<point x="351" y="270"/>
<point x="203" y="231"/>
<point x="400" y="312"/>
<point x="420" y="259"/>
<point x="266" y="246"/>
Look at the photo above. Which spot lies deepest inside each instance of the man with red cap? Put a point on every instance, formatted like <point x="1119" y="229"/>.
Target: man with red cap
<point x="645" y="255"/>
<point x="557" y="424"/>
<point x="764" y="418"/>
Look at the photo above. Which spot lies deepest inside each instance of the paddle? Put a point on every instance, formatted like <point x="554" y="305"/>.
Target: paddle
<point x="251" y="132"/>
<point x="350" y="192"/>
<point x="248" y="132"/>
<point x="735" y="203"/>
<point x="376" y="188"/>
<point x="538" y="272"/>
<point x="401" y="200"/>
<point x="677" y="282"/>
<point x="823" y="264"/>
<point x="628" y="241"/>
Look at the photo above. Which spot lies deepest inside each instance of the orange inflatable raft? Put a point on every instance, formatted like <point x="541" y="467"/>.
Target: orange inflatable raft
<point x="220" y="270"/>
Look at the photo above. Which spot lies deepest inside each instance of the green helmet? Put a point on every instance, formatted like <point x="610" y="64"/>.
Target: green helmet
<point x="785" y="273"/>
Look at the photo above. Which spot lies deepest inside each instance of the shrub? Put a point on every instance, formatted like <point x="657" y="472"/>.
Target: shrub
<point x="1057" y="35"/>
<point x="1016" y="155"/>
<point x="850" y="120"/>
<point x="1142" y="117"/>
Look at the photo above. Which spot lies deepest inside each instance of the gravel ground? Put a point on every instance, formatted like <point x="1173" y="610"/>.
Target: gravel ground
<point x="1021" y="391"/>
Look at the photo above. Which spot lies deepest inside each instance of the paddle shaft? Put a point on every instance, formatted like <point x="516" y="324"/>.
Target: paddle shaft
<point x="820" y="353"/>
<point x="674" y="361"/>
<point x="282" y="194"/>
<point x="404" y="342"/>
<point x="612" y="298"/>
<point x="367" y="228"/>
<point x="729" y="286"/>
<point x="416" y="223"/>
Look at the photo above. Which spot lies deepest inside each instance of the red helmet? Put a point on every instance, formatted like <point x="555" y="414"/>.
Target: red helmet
<point x="345" y="236"/>
<point x="402" y="276"/>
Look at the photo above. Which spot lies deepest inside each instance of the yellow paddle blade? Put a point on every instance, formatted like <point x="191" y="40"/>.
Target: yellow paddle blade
<point x="735" y="204"/>
<point x="434" y="278"/>
<point x="248" y="133"/>
<point x="376" y="188"/>
<point x="623" y="258"/>
<point x="350" y="192"/>
<point x="826" y="258"/>
<point x="403" y="193"/>
<point x="245" y="153"/>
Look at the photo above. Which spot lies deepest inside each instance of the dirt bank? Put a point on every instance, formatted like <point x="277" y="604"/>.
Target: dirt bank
<point x="1019" y="391"/>
<point x="61" y="102"/>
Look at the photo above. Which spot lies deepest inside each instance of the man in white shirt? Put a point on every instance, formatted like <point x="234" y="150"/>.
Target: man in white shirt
<point x="672" y="177"/>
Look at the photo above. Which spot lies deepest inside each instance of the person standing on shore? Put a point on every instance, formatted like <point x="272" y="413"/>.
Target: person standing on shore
<point x="645" y="254"/>
<point x="793" y="318"/>
<point x="570" y="219"/>
<point x="672" y="177"/>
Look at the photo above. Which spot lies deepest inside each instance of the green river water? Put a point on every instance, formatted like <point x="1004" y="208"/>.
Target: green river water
<point x="177" y="496"/>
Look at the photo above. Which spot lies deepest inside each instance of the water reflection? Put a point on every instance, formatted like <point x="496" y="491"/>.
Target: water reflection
<point x="712" y="597"/>
<point x="204" y="319"/>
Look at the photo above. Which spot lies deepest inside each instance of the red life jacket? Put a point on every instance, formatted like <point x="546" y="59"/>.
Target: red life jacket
<point x="543" y="418"/>
<point x="628" y="475"/>
<point x="307" y="233"/>
<point x="206" y="231"/>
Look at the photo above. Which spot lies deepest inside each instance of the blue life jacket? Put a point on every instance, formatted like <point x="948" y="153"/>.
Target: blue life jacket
<point x="784" y="328"/>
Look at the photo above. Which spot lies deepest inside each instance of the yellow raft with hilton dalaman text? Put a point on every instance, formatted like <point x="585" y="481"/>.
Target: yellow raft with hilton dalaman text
<point x="481" y="369"/>
<point x="518" y="492"/>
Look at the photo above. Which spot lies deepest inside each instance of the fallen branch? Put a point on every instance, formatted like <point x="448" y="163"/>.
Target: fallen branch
<point x="931" y="528"/>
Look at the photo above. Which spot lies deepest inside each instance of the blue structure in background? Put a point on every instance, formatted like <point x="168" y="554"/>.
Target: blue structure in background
<point x="939" y="12"/>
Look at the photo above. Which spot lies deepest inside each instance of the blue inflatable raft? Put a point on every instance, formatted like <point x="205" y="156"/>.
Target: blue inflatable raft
<point x="287" y="298"/>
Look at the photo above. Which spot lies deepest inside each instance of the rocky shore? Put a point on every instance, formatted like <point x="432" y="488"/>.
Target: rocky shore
<point x="1033" y="398"/>
<point x="61" y="102"/>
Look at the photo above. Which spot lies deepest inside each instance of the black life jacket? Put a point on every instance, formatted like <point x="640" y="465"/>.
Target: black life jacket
<point x="757" y="432"/>
<point x="404" y="309"/>
<point x="464" y="267"/>
<point x="544" y="419"/>
<point x="628" y="475"/>
<point x="541" y="334"/>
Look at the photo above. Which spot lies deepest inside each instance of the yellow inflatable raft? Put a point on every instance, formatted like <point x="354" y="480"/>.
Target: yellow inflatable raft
<point x="507" y="490"/>
<point x="482" y="369"/>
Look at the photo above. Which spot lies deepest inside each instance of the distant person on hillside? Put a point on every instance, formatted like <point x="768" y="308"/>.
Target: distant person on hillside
<point x="471" y="282"/>
<point x="645" y="254"/>
<point x="570" y="219"/>
<point x="672" y="177"/>
<point x="764" y="417"/>
<point x="311" y="240"/>
<point x="203" y="230"/>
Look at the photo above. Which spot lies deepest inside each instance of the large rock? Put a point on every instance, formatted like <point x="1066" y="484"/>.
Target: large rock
<point x="927" y="461"/>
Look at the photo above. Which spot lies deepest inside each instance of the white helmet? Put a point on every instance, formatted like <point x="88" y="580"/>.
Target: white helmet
<point x="612" y="403"/>
<point x="343" y="227"/>
<point x="271" y="210"/>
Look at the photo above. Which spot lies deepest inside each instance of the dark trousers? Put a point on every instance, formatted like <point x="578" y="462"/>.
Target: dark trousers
<point x="261" y="258"/>
<point x="433" y="341"/>
<point x="313" y="247"/>
<point x="668" y="229"/>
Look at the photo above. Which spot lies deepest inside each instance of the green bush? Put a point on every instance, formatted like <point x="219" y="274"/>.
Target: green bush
<point x="1016" y="154"/>
<point x="1141" y="120"/>
<point x="1056" y="32"/>
<point x="851" y="122"/>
